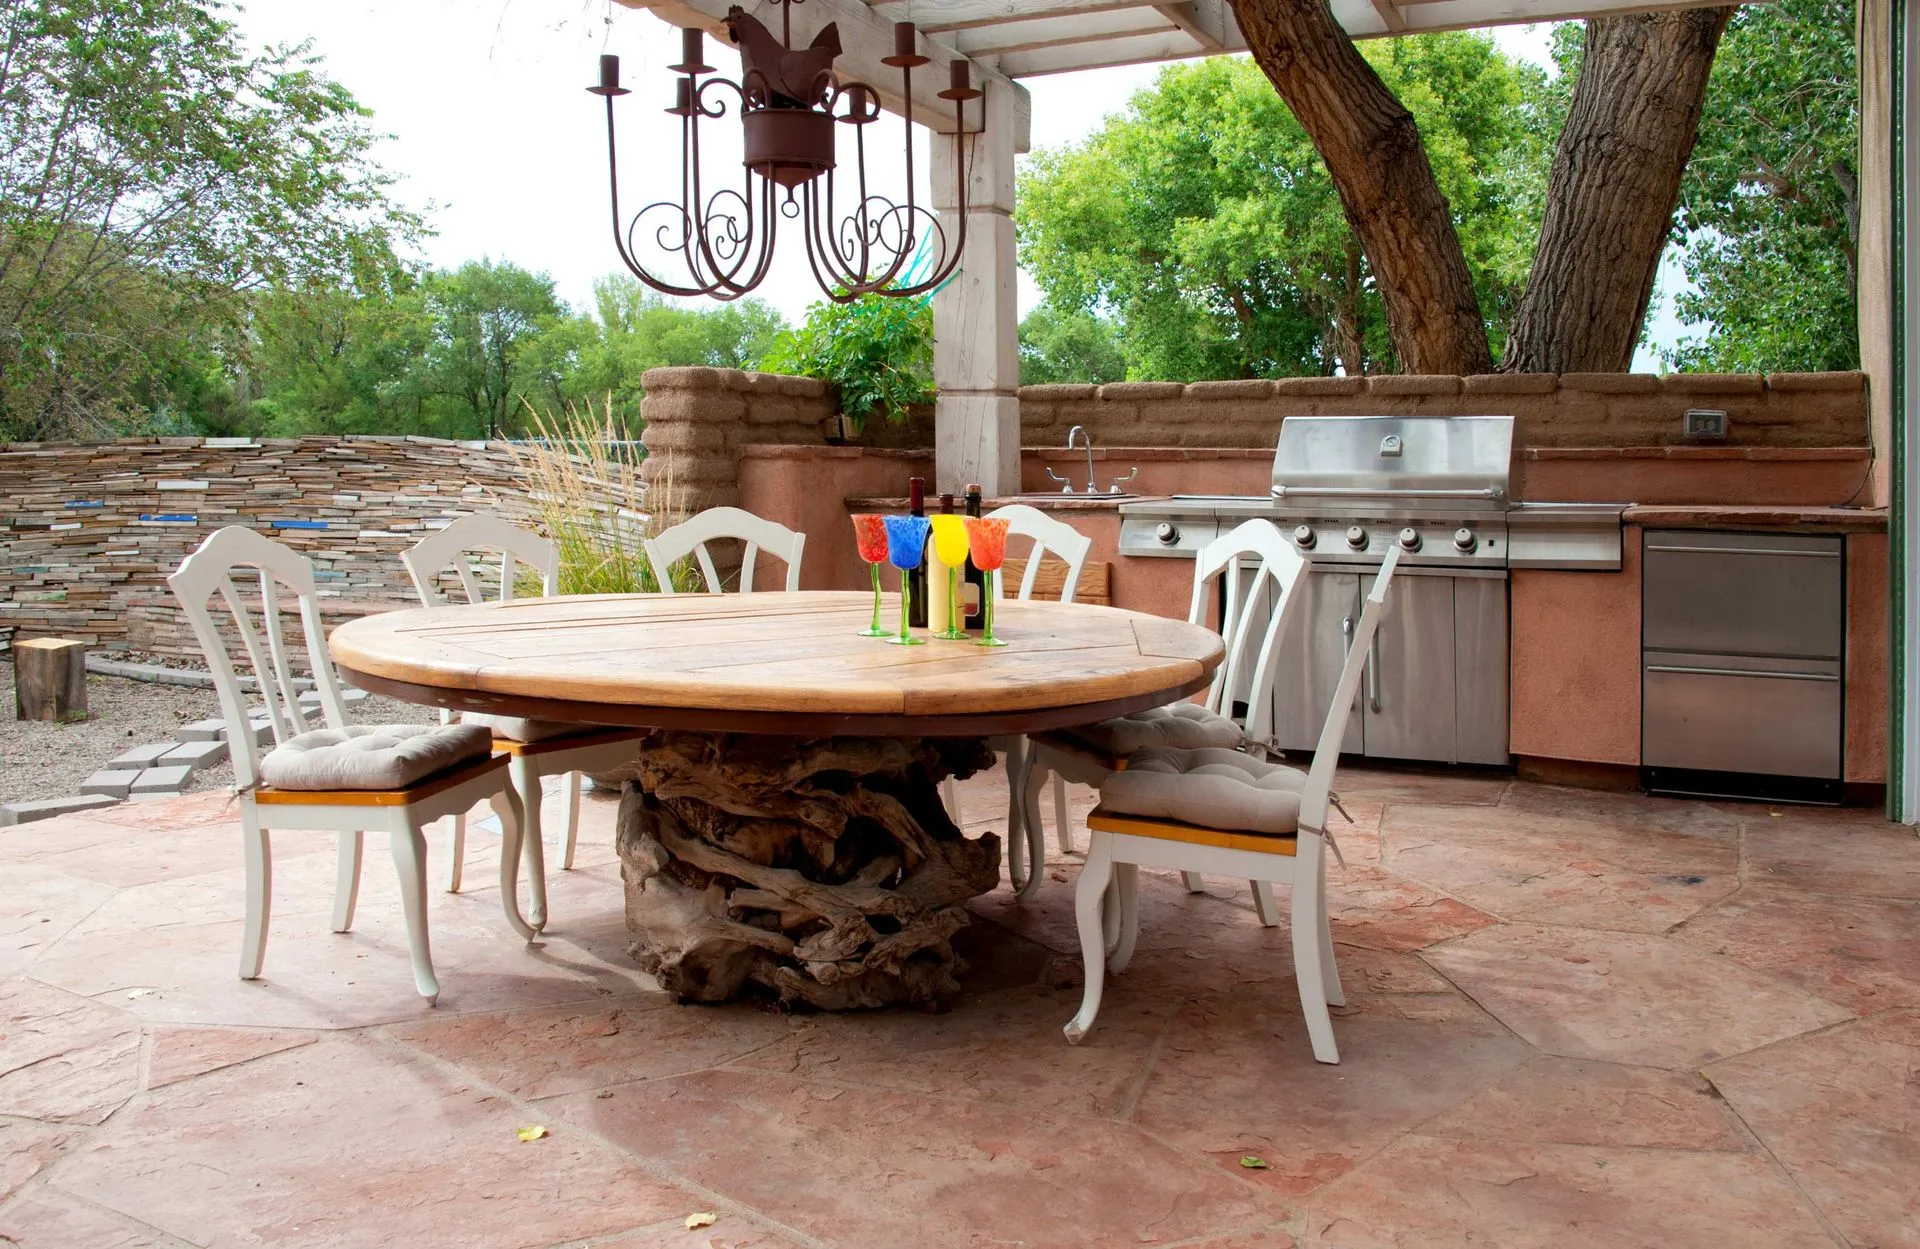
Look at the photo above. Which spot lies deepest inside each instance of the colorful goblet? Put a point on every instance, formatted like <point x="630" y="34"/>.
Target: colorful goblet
<point x="906" y="547"/>
<point x="987" y="542"/>
<point x="870" y="532"/>
<point x="950" y="544"/>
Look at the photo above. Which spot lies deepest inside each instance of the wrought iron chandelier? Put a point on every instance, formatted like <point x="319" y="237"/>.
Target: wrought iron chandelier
<point x="720" y="236"/>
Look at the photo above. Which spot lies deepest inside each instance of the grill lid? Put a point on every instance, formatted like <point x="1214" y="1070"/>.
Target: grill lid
<point x="1462" y="458"/>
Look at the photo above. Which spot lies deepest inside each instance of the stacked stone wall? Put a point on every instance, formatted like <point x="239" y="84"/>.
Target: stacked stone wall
<point x="89" y="532"/>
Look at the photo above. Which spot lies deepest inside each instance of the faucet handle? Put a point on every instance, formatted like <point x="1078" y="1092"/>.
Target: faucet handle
<point x="1066" y="483"/>
<point x="1121" y="481"/>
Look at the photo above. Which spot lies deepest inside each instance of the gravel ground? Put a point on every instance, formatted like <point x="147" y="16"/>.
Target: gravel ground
<point x="40" y="760"/>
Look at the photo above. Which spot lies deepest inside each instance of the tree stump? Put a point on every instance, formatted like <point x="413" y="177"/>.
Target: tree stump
<point x="50" y="680"/>
<point x="825" y="871"/>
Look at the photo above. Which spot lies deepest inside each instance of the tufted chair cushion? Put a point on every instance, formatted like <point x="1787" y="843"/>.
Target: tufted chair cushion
<point x="1183" y="726"/>
<point x="376" y="756"/>
<point x="1212" y="788"/>
<point x="515" y="729"/>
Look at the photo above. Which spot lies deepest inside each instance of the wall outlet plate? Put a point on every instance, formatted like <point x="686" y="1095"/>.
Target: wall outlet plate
<point x="1704" y="424"/>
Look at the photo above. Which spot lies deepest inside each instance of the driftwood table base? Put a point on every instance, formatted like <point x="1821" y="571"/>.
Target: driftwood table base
<point x="825" y="871"/>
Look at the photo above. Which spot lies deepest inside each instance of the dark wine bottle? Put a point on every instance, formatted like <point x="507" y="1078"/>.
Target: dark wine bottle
<point x="973" y="588"/>
<point x="916" y="578"/>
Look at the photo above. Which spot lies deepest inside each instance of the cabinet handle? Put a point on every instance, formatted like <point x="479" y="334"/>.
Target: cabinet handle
<point x="1743" y="550"/>
<point x="1766" y="674"/>
<point x="1373" y="672"/>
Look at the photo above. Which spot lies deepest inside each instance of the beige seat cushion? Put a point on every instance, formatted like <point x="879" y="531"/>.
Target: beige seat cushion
<point x="1212" y="788"/>
<point x="1182" y="726"/>
<point x="373" y="756"/>
<point x="515" y="729"/>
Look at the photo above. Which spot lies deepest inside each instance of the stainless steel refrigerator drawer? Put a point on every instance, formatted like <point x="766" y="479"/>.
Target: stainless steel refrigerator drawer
<point x="1716" y="714"/>
<point x="1743" y="594"/>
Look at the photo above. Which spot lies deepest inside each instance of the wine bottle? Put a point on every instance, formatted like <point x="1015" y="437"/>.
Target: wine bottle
<point x="939" y="585"/>
<point x="973" y="588"/>
<point x="916" y="578"/>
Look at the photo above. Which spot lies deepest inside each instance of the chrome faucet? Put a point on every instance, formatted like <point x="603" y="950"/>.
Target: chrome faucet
<point x="1086" y="439"/>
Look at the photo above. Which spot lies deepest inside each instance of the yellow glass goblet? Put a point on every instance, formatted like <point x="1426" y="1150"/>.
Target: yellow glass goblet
<point x="950" y="544"/>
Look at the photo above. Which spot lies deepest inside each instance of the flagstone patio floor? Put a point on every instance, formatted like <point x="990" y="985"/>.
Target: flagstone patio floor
<point x="1576" y="1019"/>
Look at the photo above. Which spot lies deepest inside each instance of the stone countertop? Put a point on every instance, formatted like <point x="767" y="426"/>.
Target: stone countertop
<point x="1045" y="502"/>
<point x="1801" y="519"/>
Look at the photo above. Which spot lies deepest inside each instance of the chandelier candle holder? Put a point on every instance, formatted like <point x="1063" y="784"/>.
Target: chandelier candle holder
<point x="717" y="238"/>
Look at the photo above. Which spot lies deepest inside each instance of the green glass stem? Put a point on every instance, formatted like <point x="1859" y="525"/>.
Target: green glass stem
<point x="992" y="583"/>
<point x="953" y="632"/>
<point x="874" y="630"/>
<point x="906" y="598"/>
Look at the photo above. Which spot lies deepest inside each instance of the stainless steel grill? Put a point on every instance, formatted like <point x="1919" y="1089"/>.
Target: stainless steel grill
<point x="1345" y="489"/>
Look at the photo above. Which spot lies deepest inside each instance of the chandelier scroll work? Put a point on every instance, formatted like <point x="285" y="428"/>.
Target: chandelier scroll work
<point x="718" y="237"/>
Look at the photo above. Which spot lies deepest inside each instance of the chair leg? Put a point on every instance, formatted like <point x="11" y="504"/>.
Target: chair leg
<point x="573" y="821"/>
<point x="1309" y="966"/>
<point x="526" y="785"/>
<point x="1193" y="882"/>
<point x="1036" y="778"/>
<point x="950" y="798"/>
<point x="1016" y="765"/>
<point x="410" y="862"/>
<point x="506" y="805"/>
<point x="1336" y="996"/>
<point x="1264" y="905"/>
<point x="456" y="852"/>
<point x="1062" y="827"/>
<point x="1088" y="895"/>
<point x="258" y="849"/>
<point x="1127" y="877"/>
<point x="346" y="882"/>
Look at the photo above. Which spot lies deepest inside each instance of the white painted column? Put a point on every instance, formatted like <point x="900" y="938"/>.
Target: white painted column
<point x="976" y="353"/>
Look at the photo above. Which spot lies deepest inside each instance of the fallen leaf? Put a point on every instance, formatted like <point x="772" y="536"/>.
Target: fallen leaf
<point x="701" y="1218"/>
<point x="1252" y="1163"/>
<point x="533" y="1133"/>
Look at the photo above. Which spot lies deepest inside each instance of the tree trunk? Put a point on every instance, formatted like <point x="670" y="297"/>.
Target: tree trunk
<point x="50" y="680"/>
<point x="1373" y="150"/>
<point x="1616" y="178"/>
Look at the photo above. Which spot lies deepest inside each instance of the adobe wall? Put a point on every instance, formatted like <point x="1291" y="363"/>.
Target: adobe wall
<point x="91" y="531"/>
<point x="1552" y="410"/>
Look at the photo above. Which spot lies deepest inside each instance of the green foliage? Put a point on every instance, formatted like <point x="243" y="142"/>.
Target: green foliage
<point x="1769" y="210"/>
<point x="591" y="502"/>
<point x="877" y="352"/>
<point x="1071" y="346"/>
<point x="152" y="174"/>
<point x="1203" y="221"/>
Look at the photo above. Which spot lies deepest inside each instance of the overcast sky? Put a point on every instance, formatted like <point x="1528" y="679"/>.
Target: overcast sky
<point x="492" y="128"/>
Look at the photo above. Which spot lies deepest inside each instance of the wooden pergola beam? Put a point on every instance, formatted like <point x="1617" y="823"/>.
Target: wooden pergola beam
<point x="866" y="37"/>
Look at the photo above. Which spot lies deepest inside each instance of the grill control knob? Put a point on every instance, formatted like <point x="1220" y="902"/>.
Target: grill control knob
<point x="1464" y="539"/>
<point x="1303" y="537"/>
<point x="1357" y="538"/>
<point x="1410" y="539"/>
<point x="1166" y="533"/>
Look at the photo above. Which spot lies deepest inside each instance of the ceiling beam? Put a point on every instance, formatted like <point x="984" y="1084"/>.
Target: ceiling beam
<point x="1204" y="21"/>
<point x="866" y="37"/>
<point x="1174" y="45"/>
<point x="944" y="15"/>
<point x="1390" y="15"/>
<point x="1056" y="32"/>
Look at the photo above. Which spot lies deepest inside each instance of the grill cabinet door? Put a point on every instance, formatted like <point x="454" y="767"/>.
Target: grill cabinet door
<point x="1311" y="654"/>
<point x="1408" y="693"/>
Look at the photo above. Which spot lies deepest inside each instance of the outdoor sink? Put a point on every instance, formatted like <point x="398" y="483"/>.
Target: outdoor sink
<point x="1057" y="496"/>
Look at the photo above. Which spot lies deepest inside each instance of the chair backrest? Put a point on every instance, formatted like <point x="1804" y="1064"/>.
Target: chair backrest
<point x="1048" y="536"/>
<point x="1326" y="755"/>
<point x="1278" y="569"/>
<point x="669" y="547"/>
<point x="480" y="533"/>
<point x="209" y="571"/>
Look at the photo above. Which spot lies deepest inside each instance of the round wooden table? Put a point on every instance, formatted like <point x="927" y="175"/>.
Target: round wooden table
<point x="785" y="826"/>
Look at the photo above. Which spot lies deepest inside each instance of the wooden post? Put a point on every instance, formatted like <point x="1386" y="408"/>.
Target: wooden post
<point x="50" y="680"/>
<point x="976" y="349"/>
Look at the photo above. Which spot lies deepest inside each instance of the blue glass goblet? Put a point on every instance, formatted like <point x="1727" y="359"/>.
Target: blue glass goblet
<point x="906" y="547"/>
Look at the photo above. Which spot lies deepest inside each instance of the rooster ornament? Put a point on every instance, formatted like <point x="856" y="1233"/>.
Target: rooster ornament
<point x="794" y="79"/>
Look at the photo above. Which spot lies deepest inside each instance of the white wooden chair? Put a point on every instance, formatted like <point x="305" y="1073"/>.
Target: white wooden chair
<point x="1067" y="544"/>
<point x="402" y="811"/>
<point x="690" y="537"/>
<point x="1090" y="754"/>
<point x="1225" y="813"/>
<point x="537" y="749"/>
